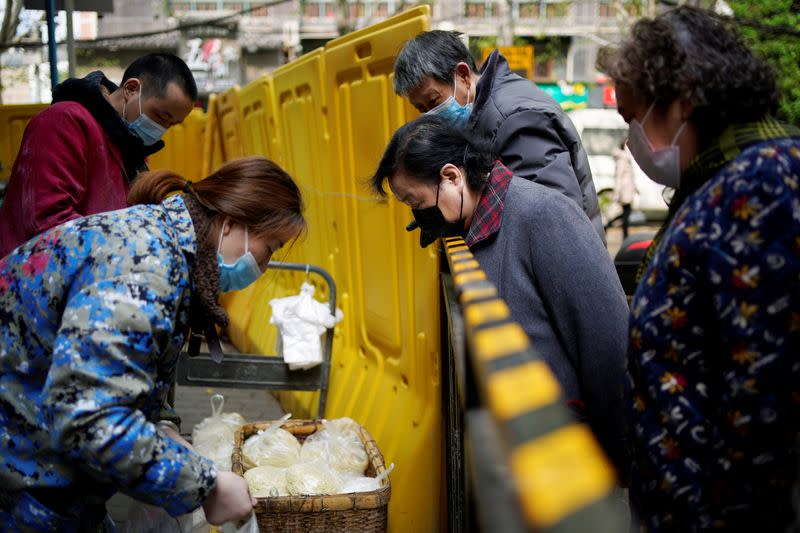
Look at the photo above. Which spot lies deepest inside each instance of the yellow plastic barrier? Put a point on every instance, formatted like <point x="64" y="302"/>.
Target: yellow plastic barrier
<point x="334" y="111"/>
<point x="229" y="121"/>
<point x="184" y="147"/>
<point x="387" y="373"/>
<point x="212" y="141"/>
<point x="260" y="132"/>
<point x="13" y="120"/>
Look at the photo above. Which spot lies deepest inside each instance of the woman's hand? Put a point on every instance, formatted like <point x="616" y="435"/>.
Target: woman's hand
<point x="229" y="500"/>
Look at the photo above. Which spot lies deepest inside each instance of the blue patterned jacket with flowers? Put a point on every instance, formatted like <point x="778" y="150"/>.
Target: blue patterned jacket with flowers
<point x="714" y="357"/>
<point x="93" y="315"/>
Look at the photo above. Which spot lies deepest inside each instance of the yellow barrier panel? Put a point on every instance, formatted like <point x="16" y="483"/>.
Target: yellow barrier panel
<point x="260" y="133"/>
<point x="229" y="123"/>
<point x="184" y="148"/>
<point x="304" y="138"/>
<point x="298" y="113"/>
<point x="334" y="111"/>
<point x="13" y="120"/>
<point x="212" y="143"/>
<point x="388" y="375"/>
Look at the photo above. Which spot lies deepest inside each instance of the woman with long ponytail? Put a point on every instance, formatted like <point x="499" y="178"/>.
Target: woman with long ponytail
<point x="95" y="312"/>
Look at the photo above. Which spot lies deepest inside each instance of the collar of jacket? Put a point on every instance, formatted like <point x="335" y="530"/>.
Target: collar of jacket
<point x="494" y="68"/>
<point x="88" y="92"/>
<point x="488" y="216"/>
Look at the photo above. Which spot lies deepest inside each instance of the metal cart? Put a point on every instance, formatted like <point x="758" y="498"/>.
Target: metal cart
<point x="256" y="371"/>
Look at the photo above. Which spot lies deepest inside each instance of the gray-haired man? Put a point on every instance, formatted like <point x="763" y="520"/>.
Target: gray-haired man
<point x="528" y="130"/>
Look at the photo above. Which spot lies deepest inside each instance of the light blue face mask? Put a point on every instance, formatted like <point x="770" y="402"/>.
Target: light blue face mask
<point x="242" y="272"/>
<point x="451" y="110"/>
<point x="148" y="130"/>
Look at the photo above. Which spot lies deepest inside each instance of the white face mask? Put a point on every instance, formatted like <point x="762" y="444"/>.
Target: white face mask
<point x="662" y="166"/>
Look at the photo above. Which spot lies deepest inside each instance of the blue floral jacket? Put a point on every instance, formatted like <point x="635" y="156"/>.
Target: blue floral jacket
<point x="93" y="315"/>
<point x="714" y="356"/>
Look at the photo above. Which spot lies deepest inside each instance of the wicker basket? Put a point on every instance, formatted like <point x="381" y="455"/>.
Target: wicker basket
<point x="362" y="512"/>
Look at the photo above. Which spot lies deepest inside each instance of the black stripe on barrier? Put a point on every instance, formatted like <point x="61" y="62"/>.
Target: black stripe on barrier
<point x="507" y="361"/>
<point x="535" y="424"/>
<point x="489" y="324"/>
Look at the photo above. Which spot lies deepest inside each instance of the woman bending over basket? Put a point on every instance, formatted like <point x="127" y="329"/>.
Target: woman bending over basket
<point x="536" y="246"/>
<point x="94" y="315"/>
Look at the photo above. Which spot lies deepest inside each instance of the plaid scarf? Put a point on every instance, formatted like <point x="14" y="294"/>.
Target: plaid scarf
<point x="731" y="142"/>
<point x="489" y="211"/>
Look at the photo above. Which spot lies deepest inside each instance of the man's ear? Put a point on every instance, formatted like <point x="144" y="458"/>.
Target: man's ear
<point x="131" y="87"/>
<point x="464" y="74"/>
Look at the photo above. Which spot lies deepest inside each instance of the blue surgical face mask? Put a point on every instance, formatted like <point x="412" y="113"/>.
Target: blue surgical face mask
<point x="451" y="110"/>
<point x="148" y="130"/>
<point x="242" y="272"/>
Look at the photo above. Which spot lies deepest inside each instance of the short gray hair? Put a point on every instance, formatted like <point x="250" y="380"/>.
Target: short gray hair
<point x="432" y="54"/>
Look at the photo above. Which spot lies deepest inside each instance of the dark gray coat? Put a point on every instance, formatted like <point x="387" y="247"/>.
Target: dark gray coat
<point x="558" y="280"/>
<point x="532" y="135"/>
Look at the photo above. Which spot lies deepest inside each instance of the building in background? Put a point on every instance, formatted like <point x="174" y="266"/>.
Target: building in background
<point x="231" y="42"/>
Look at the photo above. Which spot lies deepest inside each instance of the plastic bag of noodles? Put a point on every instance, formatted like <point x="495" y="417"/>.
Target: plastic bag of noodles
<point x="214" y="437"/>
<point x="313" y="478"/>
<point x="266" y="481"/>
<point x="271" y="447"/>
<point x="338" y="444"/>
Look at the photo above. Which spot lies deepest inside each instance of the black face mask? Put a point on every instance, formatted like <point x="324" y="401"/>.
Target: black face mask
<point x="433" y="225"/>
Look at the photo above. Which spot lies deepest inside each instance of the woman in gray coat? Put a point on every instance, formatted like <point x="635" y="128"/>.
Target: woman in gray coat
<point x="536" y="246"/>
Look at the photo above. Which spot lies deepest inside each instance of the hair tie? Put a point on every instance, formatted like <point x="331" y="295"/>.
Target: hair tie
<point x="187" y="187"/>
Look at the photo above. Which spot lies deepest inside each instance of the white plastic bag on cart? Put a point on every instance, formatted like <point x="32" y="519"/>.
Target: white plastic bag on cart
<point x="300" y="321"/>
<point x="214" y="437"/>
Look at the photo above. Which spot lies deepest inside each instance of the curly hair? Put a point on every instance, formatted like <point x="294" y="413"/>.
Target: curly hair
<point x="691" y="54"/>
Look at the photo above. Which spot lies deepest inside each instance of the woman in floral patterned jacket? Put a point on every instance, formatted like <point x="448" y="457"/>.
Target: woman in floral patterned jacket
<point x="94" y="314"/>
<point x="714" y="355"/>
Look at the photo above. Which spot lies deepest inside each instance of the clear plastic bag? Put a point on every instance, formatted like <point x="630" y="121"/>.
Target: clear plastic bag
<point x="271" y="447"/>
<point x="312" y="478"/>
<point x="214" y="437"/>
<point x="365" y="484"/>
<point x="339" y="445"/>
<point x="266" y="481"/>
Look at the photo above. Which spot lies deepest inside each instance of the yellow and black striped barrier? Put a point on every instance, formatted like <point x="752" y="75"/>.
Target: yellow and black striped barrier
<point x="562" y="479"/>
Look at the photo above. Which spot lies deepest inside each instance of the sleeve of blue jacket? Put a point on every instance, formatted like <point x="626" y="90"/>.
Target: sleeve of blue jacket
<point x="105" y="360"/>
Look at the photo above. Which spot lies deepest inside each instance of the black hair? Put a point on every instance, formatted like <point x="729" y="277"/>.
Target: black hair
<point x="422" y="147"/>
<point x="158" y="71"/>
<point x="430" y="54"/>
